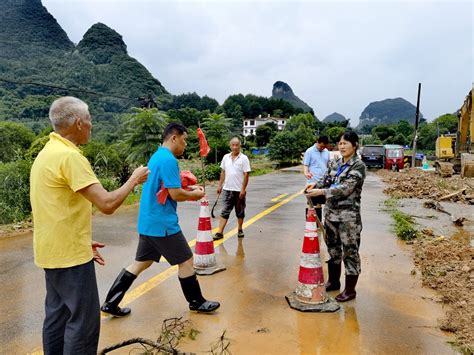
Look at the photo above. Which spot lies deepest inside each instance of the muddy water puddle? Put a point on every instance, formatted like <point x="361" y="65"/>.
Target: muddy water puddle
<point x="441" y="223"/>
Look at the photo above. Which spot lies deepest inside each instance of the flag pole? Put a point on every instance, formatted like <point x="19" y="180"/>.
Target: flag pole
<point x="202" y="164"/>
<point x="203" y="174"/>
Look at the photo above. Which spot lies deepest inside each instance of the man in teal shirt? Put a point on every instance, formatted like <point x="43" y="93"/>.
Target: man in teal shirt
<point x="315" y="165"/>
<point x="159" y="230"/>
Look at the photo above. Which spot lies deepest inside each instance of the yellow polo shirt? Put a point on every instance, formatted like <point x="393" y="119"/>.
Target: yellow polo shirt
<point x="62" y="217"/>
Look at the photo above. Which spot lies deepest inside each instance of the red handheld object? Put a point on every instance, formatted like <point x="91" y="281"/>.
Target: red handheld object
<point x="187" y="179"/>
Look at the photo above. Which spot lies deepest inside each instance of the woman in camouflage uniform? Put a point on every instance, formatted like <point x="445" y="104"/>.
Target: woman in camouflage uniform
<point x="342" y="187"/>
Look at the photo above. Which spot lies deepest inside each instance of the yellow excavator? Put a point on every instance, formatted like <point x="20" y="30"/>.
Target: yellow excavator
<point x="455" y="153"/>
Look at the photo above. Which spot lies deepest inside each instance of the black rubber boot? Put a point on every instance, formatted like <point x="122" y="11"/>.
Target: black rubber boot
<point x="218" y="236"/>
<point x="334" y="271"/>
<point x="116" y="293"/>
<point x="192" y="293"/>
<point x="349" y="292"/>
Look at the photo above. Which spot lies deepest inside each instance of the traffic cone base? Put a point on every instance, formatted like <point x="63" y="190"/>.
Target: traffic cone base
<point x="204" y="257"/>
<point x="328" y="306"/>
<point x="310" y="294"/>
<point x="209" y="270"/>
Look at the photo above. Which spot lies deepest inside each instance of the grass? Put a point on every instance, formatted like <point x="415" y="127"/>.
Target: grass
<point x="390" y="204"/>
<point x="442" y="184"/>
<point x="134" y="196"/>
<point x="404" y="225"/>
<point x="260" y="165"/>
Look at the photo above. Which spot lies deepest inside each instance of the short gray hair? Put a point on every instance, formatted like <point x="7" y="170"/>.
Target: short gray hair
<point x="235" y="137"/>
<point x="65" y="110"/>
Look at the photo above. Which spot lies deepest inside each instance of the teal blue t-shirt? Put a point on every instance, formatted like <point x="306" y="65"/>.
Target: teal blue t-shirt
<point x="317" y="162"/>
<point x="157" y="220"/>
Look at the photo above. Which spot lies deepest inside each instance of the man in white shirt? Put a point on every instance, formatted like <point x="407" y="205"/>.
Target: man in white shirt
<point x="233" y="181"/>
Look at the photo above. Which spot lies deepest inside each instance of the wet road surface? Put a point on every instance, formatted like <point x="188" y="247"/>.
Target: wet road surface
<point x="392" y="314"/>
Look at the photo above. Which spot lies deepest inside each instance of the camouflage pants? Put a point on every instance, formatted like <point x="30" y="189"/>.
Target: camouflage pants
<point x="343" y="241"/>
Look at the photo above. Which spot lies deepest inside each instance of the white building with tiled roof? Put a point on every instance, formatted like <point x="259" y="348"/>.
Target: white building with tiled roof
<point x="251" y="124"/>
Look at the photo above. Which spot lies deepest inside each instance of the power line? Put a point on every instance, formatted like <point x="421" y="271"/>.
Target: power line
<point x="66" y="89"/>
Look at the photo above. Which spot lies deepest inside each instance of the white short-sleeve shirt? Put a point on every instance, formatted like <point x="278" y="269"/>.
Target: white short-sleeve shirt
<point x="234" y="171"/>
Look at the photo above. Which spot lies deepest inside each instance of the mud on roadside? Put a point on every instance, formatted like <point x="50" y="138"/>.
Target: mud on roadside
<point x="11" y="230"/>
<point x="443" y="253"/>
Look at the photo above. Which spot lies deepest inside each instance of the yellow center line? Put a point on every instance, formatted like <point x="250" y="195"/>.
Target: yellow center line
<point x="156" y="280"/>
<point x="275" y="199"/>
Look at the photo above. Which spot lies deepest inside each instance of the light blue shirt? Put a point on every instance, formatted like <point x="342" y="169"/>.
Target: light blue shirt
<point x="317" y="162"/>
<point x="154" y="219"/>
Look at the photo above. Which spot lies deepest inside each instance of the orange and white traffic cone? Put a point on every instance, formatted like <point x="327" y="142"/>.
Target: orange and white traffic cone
<point x="310" y="294"/>
<point x="204" y="257"/>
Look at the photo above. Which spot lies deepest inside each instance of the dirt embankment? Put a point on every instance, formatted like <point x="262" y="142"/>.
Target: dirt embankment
<point x="446" y="264"/>
<point x="416" y="183"/>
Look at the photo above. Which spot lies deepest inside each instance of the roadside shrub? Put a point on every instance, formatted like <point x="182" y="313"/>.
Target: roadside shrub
<point x="15" y="139"/>
<point x="211" y="172"/>
<point x="36" y="147"/>
<point x="15" y="191"/>
<point x="109" y="183"/>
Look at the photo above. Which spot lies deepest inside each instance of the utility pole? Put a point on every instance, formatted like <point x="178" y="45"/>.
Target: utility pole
<point x="415" y="136"/>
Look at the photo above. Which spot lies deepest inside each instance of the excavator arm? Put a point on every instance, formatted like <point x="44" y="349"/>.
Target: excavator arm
<point x="466" y="127"/>
<point x="465" y="142"/>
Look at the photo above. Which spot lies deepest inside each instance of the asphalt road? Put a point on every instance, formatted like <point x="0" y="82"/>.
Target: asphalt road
<point x="392" y="313"/>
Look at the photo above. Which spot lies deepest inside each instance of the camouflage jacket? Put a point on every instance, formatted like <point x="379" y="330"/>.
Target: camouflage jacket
<point x="342" y="185"/>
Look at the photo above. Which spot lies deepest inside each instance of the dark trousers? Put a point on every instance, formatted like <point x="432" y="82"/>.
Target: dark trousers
<point x="343" y="242"/>
<point x="72" y="320"/>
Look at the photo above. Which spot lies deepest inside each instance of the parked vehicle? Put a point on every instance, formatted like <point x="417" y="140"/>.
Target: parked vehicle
<point x="373" y="156"/>
<point x="394" y="157"/>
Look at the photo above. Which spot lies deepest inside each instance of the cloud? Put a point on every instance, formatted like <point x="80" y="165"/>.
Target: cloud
<point x="337" y="56"/>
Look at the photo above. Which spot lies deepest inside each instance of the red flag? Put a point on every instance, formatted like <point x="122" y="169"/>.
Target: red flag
<point x="203" y="146"/>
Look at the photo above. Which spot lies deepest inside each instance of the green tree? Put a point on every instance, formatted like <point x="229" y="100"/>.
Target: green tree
<point x="263" y="134"/>
<point x="427" y="135"/>
<point x="303" y="119"/>
<point x="217" y="129"/>
<point x="304" y="138"/>
<point x="284" y="148"/>
<point x="447" y="123"/>
<point x="428" y="132"/>
<point x="368" y="139"/>
<point x="234" y="111"/>
<point x="405" y="128"/>
<point x="384" y="132"/>
<point x="143" y="133"/>
<point x="277" y="113"/>
<point x="188" y="116"/>
<point x="105" y="159"/>
<point x="192" y="147"/>
<point x="334" y="133"/>
<point x="15" y="139"/>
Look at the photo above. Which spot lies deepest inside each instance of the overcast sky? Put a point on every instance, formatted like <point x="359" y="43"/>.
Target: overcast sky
<point x="336" y="56"/>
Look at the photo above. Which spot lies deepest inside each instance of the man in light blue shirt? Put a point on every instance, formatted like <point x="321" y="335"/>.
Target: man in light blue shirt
<point x="315" y="164"/>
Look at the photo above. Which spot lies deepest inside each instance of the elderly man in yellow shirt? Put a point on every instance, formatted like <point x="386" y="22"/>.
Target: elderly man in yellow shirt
<point x="63" y="188"/>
